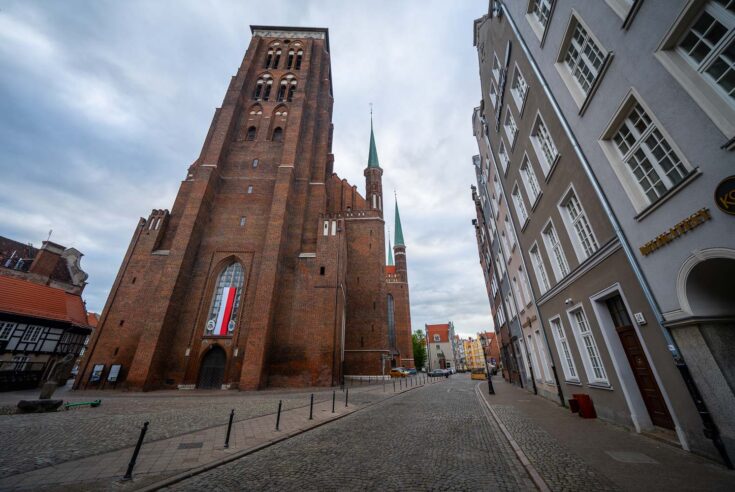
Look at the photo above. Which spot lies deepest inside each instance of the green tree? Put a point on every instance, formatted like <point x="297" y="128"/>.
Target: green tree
<point x="419" y="349"/>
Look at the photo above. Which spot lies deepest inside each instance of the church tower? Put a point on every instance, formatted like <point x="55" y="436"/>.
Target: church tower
<point x="374" y="176"/>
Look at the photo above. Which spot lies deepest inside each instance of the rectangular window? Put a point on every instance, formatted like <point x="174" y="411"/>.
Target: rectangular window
<point x="709" y="46"/>
<point x="511" y="233"/>
<point x="250" y="189"/>
<point x="6" y="329"/>
<point x="255" y="163"/>
<point x="524" y="285"/>
<point x="536" y="365"/>
<point x="506" y="245"/>
<point x="648" y="157"/>
<point x="541" y="10"/>
<point x="21" y="362"/>
<point x="579" y="227"/>
<point x="543" y="145"/>
<point x="498" y="189"/>
<point x="533" y="190"/>
<point x="243" y="221"/>
<point x="583" y="57"/>
<point x="517" y="292"/>
<point x="511" y="129"/>
<point x="496" y="67"/>
<point x="32" y="334"/>
<point x="519" y="89"/>
<point x="500" y="315"/>
<point x="559" y="261"/>
<point x="565" y="353"/>
<point x="503" y="155"/>
<point x="493" y="92"/>
<point x="511" y="306"/>
<point x="520" y="206"/>
<point x="588" y="348"/>
<point x="539" y="269"/>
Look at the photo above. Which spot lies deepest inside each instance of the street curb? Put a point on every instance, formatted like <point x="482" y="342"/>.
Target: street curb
<point x="245" y="452"/>
<point x="530" y="469"/>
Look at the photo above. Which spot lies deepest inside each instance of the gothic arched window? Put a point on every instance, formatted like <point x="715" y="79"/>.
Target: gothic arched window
<point x="391" y="322"/>
<point x="263" y="87"/>
<point x="291" y="90"/>
<point x="289" y="60"/>
<point x="299" y="57"/>
<point x="268" y="58"/>
<point x="226" y="301"/>
<point x="277" y="135"/>
<point x="276" y="58"/>
<point x="251" y="133"/>
<point x="283" y="86"/>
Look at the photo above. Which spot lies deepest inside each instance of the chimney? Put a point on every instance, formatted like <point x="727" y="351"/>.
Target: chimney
<point x="46" y="259"/>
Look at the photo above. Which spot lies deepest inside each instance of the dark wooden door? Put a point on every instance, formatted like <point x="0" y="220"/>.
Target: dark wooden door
<point x="212" y="372"/>
<point x="652" y="397"/>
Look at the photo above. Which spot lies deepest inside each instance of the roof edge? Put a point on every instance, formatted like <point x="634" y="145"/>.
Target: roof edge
<point x="325" y="30"/>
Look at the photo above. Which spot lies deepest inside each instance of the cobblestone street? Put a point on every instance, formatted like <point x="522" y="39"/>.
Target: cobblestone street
<point x="436" y="438"/>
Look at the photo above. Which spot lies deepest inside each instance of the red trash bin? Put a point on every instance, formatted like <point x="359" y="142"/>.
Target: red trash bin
<point x="573" y="405"/>
<point x="586" y="407"/>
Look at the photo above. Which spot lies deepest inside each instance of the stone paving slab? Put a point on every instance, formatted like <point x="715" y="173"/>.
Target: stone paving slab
<point x="572" y="453"/>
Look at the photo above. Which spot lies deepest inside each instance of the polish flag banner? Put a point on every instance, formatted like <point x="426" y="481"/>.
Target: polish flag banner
<point x="225" y="311"/>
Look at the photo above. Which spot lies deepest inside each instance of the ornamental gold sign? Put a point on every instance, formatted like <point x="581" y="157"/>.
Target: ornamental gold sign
<point x="695" y="220"/>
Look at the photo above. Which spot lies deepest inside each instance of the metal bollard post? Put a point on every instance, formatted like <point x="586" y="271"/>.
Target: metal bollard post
<point x="131" y="465"/>
<point x="311" y="408"/>
<point x="229" y="428"/>
<point x="394" y="386"/>
<point x="347" y="395"/>
<point x="334" y="398"/>
<point x="278" y="418"/>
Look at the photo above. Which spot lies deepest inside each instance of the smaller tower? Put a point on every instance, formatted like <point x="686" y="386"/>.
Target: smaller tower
<point x="374" y="176"/>
<point x="390" y="252"/>
<point x="399" y="248"/>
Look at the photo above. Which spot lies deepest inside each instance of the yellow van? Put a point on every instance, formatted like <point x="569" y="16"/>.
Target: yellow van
<point x="478" y="374"/>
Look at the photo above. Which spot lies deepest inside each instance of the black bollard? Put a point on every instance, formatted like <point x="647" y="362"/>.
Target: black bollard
<point x="131" y="465"/>
<point x="229" y="428"/>
<point x="394" y="386"/>
<point x="311" y="408"/>
<point x="347" y="395"/>
<point x="334" y="398"/>
<point x="278" y="418"/>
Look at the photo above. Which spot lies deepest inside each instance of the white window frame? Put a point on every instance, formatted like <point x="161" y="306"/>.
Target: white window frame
<point x="510" y="127"/>
<point x="517" y="291"/>
<point x="500" y="315"/>
<point x="511" y="232"/>
<point x="624" y="173"/>
<point x="519" y="89"/>
<point x="571" y="225"/>
<point x="563" y="349"/>
<point x="496" y="67"/>
<point x="567" y="72"/>
<point x="437" y="338"/>
<point x="535" y="14"/>
<point x="20" y="362"/>
<point x="6" y="330"/>
<point x="530" y="182"/>
<point x="539" y="269"/>
<point x="588" y="348"/>
<point x="620" y="7"/>
<point x="525" y="286"/>
<point x="493" y="92"/>
<point x="32" y="333"/>
<point x="503" y="156"/>
<point x="531" y="347"/>
<point x="555" y="251"/>
<point x="705" y="93"/>
<point x="520" y="205"/>
<point x="543" y="145"/>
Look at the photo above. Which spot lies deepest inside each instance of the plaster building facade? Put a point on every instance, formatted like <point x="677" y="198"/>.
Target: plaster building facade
<point x="490" y="347"/>
<point x="270" y="270"/>
<point x="440" y="346"/>
<point x="612" y="195"/>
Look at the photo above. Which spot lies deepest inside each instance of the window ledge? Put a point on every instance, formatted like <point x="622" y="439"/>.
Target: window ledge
<point x="694" y="174"/>
<point x="536" y="201"/>
<point x="601" y="386"/>
<point x="573" y="382"/>
<point x="525" y="223"/>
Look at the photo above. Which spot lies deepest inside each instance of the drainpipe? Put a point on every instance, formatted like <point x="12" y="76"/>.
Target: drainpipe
<point x="710" y="428"/>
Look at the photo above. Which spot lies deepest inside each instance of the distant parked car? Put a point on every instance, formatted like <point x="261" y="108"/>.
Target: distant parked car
<point x="411" y="371"/>
<point x="398" y="372"/>
<point x="435" y="373"/>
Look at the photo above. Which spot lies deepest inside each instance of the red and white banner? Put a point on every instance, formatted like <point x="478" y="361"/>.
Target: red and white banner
<point x="225" y="310"/>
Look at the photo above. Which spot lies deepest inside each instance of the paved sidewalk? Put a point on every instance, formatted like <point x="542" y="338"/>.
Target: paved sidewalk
<point x="169" y="457"/>
<point x="571" y="453"/>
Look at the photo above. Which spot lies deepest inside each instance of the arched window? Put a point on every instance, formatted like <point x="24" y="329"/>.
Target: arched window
<point x="391" y="322"/>
<point x="263" y="87"/>
<point x="226" y="301"/>
<point x="282" y="88"/>
<point x="277" y="135"/>
<point x="276" y="58"/>
<point x="251" y="133"/>
<point x="291" y="90"/>
<point x="289" y="60"/>
<point x="299" y="57"/>
<point x="268" y="58"/>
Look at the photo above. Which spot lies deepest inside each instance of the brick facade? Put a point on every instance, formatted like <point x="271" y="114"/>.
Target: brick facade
<point x="313" y="296"/>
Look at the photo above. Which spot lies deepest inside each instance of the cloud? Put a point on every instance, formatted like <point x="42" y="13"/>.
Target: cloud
<point x="104" y="106"/>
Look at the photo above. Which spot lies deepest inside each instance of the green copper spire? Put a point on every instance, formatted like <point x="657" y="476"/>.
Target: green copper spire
<point x="373" y="155"/>
<point x="399" y="229"/>
<point x="390" y="252"/>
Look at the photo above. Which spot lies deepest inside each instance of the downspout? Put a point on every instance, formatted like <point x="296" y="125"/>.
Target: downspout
<point x="710" y="428"/>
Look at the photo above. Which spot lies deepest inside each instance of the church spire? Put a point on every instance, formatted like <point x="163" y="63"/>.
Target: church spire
<point x="390" y="251"/>
<point x="373" y="155"/>
<point x="399" y="229"/>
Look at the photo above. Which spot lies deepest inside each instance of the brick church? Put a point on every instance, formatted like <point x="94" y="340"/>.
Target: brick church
<point x="270" y="270"/>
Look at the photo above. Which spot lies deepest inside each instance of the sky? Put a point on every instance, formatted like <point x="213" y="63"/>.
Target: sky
<point x="105" y="104"/>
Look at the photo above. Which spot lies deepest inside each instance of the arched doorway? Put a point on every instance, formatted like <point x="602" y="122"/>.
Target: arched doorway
<point x="212" y="370"/>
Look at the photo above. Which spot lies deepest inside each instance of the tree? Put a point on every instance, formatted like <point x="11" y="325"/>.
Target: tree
<point x="419" y="348"/>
